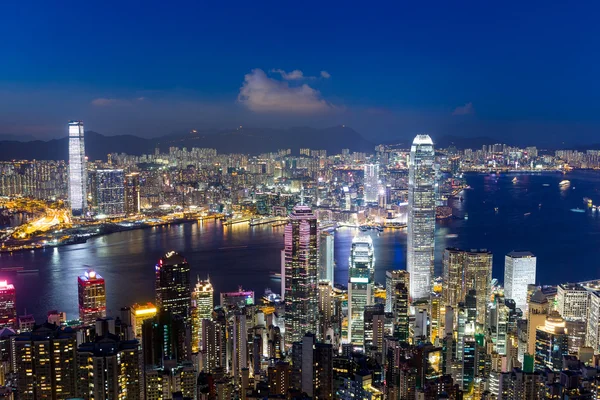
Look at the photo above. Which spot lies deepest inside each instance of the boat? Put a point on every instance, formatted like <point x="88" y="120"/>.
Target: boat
<point x="587" y="201"/>
<point x="11" y="269"/>
<point x="546" y="184"/>
<point x="577" y="210"/>
<point x="565" y="182"/>
<point x="496" y="209"/>
<point x="527" y="214"/>
<point x="275" y="275"/>
<point x="28" y="271"/>
<point x="451" y="236"/>
<point x="466" y="216"/>
<point x="515" y="180"/>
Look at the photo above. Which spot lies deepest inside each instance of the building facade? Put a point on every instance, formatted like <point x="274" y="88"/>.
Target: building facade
<point x="77" y="169"/>
<point x="92" y="297"/>
<point x="519" y="271"/>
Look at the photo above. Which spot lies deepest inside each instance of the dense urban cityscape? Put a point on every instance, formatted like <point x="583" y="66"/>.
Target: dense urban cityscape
<point x="414" y="336"/>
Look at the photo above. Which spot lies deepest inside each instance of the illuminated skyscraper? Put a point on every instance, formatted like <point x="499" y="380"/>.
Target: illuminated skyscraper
<point x="360" y="286"/>
<point x="326" y="259"/>
<point x="140" y="313"/>
<point x="202" y="308"/>
<point x="77" y="169"/>
<point x="301" y="259"/>
<point x="392" y="278"/>
<point x="371" y="183"/>
<point x="172" y="285"/>
<point x="92" y="297"/>
<point x="519" y="271"/>
<point x="551" y="343"/>
<point x="109" y="192"/>
<point x="421" y="217"/>
<point x="132" y="193"/>
<point x="8" y="308"/>
<point x="464" y="271"/>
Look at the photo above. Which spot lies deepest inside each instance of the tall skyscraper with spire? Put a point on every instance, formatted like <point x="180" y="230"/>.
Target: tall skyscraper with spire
<point x="421" y="217"/>
<point x="77" y="169"/>
<point x="360" y="287"/>
<point x="173" y="287"/>
<point x="301" y="262"/>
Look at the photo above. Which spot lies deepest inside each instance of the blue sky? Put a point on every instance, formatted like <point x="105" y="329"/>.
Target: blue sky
<point x="516" y="71"/>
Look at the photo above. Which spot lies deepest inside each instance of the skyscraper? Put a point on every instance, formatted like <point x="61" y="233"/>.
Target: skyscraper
<point x="371" y="183"/>
<point x="109" y="192"/>
<point x="392" y="278"/>
<point x="572" y="301"/>
<point x="519" y="271"/>
<point x="326" y="256"/>
<point x="464" y="271"/>
<point x="44" y="361"/>
<point x="421" y="217"/>
<point x="360" y="286"/>
<point x="132" y="193"/>
<point x="202" y="308"/>
<point x="92" y="297"/>
<point x="77" y="169"/>
<point x="301" y="274"/>
<point x="8" y="308"/>
<point x="173" y="290"/>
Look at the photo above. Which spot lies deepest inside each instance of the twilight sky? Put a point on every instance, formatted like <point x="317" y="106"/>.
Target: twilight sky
<point x="516" y="71"/>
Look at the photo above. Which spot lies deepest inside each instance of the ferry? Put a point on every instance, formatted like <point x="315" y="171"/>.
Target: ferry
<point x="587" y="201"/>
<point x="515" y="180"/>
<point x="577" y="210"/>
<point x="564" y="182"/>
<point x="275" y="275"/>
<point x="546" y="184"/>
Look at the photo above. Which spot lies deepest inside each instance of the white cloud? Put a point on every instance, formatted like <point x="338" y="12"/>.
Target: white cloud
<point x="263" y="94"/>
<point x="290" y="76"/>
<point x="325" y="74"/>
<point x="467" y="109"/>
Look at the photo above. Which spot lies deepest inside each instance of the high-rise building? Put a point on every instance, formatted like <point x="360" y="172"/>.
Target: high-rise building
<point x="400" y="310"/>
<point x="325" y="297"/>
<point x="92" y="297"/>
<point x="519" y="271"/>
<point x="371" y="183"/>
<point x="8" y="308"/>
<point x="360" y="286"/>
<point x="214" y="342"/>
<point x="421" y="217"/>
<point x="279" y="379"/>
<point x="132" y="193"/>
<point x="592" y="336"/>
<point x="312" y="364"/>
<point x="374" y="329"/>
<point x="536" y="316"/>
<point x="109" y="369"/>
<point x="108" y="192"/>
<point x="239" y="299"/>
<point x="202" y="308"/>
<point x="77" y="169"/>
<point x="45" y="363"/>
<point x="172" y="285"/>
<point x="140" y="313"/>
<point x="551" y="343"/>
<point x="165" y="340"/>
<point x="572" y="301"/>
<point x="466" y="270"/>
<point x="326" y="259"/>
<point x="301" y="274"/>
<point x="392" y="278"/>
<point x="239" y="344"/>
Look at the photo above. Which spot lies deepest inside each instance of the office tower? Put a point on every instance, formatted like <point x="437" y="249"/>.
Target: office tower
<point x="326" y="259"/>
<point x="400" y="311"/>
<point x="312" y="367"/>
<point x="576" y="331"/>
<point x="572" y="301"/>
<point x="435" y="312"/>
<point x="392" y="278"/>
<point x="360" y="287"/>
<point x="45" y="364"/>
<point x="77" y="169"/>
<point x="109" y="369"/>
<point x="301" y="274"/>
<point x="421" y="217"/>
<point x="371" y="183"/>
<point x="132" y="193"/>
<point x="592" y="336"/>
<point x="108" y="192"/>
<point x="519" y="271"/>
<point x="138" y="314"/>
<point x="536" y="316"/>
<point x="241" y="298"/>
<point x="521" y="385"/>
<point x="92" y="297"/>
<point x="214" y="343"/>
<point x="8" y="308"/>
<point x="551" y="343"/>
<point x="325" y="308"/>
<point x="165" y="339"/>
<point x="464" y="271"/>
<point x="374" y="329"/>
<point x="174" y="381"/>
<point x="173" y="288"/>
<point x="468" y="367"/>
<point x="279" y="379"/>
<point x="202" y="308"/>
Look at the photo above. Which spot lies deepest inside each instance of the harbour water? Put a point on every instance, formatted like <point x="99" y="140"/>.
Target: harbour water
<point x="532" y="213"/>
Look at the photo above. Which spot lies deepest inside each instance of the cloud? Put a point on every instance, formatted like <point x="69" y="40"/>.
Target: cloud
<point x="325" y="74"/>
<point x="263" y="94"/>
<point x="467" y="109"/>
<point x="290" y="76"/>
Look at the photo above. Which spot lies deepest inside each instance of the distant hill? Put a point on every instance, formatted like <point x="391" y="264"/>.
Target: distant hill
<point x="246" y="140"/>
<point x="465" y="142"/>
